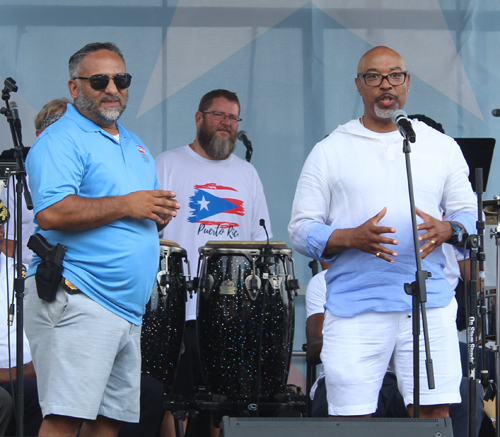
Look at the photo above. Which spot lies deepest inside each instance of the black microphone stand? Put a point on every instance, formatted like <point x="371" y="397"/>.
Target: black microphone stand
<point x="10" y="86"/>
<point x="488" y="387"/>
<point x="477" y="254"/>
<point x="248" y="154"/>
<point x="471" y="316"/>
<point x="418" y="290"/>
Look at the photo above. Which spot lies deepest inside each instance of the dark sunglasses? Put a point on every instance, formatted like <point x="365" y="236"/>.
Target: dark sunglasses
<point x="99" y="82"/>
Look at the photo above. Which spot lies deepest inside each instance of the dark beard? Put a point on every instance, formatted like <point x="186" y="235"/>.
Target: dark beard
<point x="105" y="117"/>
<point x="215" y="147"/>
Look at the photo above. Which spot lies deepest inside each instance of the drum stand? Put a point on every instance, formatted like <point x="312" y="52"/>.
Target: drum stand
<point x="492" y="211"/>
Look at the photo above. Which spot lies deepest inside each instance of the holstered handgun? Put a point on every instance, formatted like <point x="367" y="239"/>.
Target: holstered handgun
<point x="49" y="271"/>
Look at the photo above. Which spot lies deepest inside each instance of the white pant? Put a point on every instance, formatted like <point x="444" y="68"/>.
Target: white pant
<point x="357" y="352"/>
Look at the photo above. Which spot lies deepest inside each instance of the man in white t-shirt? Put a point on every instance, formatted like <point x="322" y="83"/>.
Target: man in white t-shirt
<point x="8" y="340"/>
<point x="221" y="198"/>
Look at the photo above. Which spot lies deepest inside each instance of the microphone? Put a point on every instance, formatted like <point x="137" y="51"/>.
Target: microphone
<point x="10" y="85"/>
<point x="401" y="120"/>
<point x="496" y="112"/>
<point x="267" y="250"/>
<point x="243" y="137"/>
<point x="14" y="109"/>
<point x="262" y="223"/>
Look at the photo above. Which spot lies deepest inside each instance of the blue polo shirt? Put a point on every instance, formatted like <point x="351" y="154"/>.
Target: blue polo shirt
<point x="114" y="264"/>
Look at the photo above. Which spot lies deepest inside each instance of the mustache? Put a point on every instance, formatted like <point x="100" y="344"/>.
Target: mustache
<point x="383" y="96"/>
<point x="111" y="98"/>
<point x="226" y="129"/>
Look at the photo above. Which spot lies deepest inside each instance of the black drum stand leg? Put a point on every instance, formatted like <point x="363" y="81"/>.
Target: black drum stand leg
<point x="179" y="417"/>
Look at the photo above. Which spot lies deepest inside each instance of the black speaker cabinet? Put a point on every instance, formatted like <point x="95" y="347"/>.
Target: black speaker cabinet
<point x="334" y="427"/>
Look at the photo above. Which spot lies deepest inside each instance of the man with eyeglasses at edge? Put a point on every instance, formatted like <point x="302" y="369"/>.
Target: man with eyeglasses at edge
<point x="224" y="200"/>
<point x="351" y="209"/>
<point x="94" y="191"/>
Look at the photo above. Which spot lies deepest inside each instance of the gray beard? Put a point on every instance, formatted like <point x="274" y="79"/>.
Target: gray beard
<point x="106" y="116"/>
<point x="385" y="113"/>
<point x="218" y="149"/>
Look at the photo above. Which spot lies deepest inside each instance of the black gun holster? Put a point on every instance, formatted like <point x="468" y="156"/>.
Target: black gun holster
<point x="49" y="271"/>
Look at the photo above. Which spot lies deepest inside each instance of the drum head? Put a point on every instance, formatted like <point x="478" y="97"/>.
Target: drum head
<point x="247" y="248"/>
<point x="245" y="244"/>
<point x="168" y="243"/>
<point x="168" y="247"/>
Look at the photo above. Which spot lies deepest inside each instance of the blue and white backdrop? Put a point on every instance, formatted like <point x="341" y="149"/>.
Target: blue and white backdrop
<point x="292" y="63"/>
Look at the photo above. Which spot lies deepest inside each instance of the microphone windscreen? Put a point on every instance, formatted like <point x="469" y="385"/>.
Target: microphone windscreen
<point x="242" y="134"/>
<point x="397" y="114"/>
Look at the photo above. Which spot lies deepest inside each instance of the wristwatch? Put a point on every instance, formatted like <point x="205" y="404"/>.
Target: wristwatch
<point x="457" y="234"/>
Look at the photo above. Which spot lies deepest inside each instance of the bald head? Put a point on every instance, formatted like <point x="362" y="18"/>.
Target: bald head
<point x="383" y="83"/>
<point x="378" y="53"/>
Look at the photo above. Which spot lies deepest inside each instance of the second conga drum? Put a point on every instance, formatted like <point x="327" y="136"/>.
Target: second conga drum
<point x="245" y="318"/>
<point x="164" y="319"/>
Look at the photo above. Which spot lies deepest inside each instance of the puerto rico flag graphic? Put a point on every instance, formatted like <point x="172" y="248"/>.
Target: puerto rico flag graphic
<point x="215" y="205"/>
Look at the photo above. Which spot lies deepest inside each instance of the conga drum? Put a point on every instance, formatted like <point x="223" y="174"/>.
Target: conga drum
<point x="245" y="318"/>
<point x="164" y="319"/>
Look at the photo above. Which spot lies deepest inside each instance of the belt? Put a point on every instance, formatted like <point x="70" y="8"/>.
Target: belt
<point x="69" y="287"/>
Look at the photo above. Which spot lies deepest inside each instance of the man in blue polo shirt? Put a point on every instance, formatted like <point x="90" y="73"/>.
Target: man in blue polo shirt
<point x="94" y="191"/>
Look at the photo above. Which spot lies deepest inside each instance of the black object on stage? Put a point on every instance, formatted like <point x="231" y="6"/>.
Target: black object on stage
<point x="245" y="318"/>
<point x="478" y="152"/>
<point x="164" y="319"/>
<point x="334" y="427"/>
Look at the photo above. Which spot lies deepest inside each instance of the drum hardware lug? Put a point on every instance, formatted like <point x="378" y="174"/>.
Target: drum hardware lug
<point x="193" y="288"/>
<point x="186" y="261"/>
<point x="275" y="282"/>
<point x="206" y="284"/>
<point x="163" y="282"/>
<point x="252" y="284"/>
<point x="190" y="285"/>
<point x="292" y="284"/>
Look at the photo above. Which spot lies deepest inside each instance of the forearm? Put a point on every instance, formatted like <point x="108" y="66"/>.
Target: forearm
<point x="314" y="350"/>
<point x="314" y="335"/>
<point x="28" y="372"/>
<point x="5" y="375"/>
<point x="338" y="242"/>
<point x="8" y="248"/>
<point x="76" y="213"/>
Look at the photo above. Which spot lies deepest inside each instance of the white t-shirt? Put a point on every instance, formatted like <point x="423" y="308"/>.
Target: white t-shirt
<point x="28" y="220"/>
<point x="220" y="200"/>
<point x="315" y="304"/>
<point x="8" y="263"/>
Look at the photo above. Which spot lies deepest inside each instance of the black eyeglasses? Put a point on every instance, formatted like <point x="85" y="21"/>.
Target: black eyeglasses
<point x="99" y="82"/>
<point x="221" y="116"/>
<point x="376" y="79"/>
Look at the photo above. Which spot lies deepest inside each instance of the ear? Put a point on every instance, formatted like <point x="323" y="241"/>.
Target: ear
<point x="198" y="118"/>
<point x="73" y="88"/>
<point x="38" y="132"/>
<point x="356" y="81"/>
<point x="408" y="78"/>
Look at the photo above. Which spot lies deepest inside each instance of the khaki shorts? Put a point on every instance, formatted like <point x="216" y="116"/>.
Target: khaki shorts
<point x="86" y="358"/>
